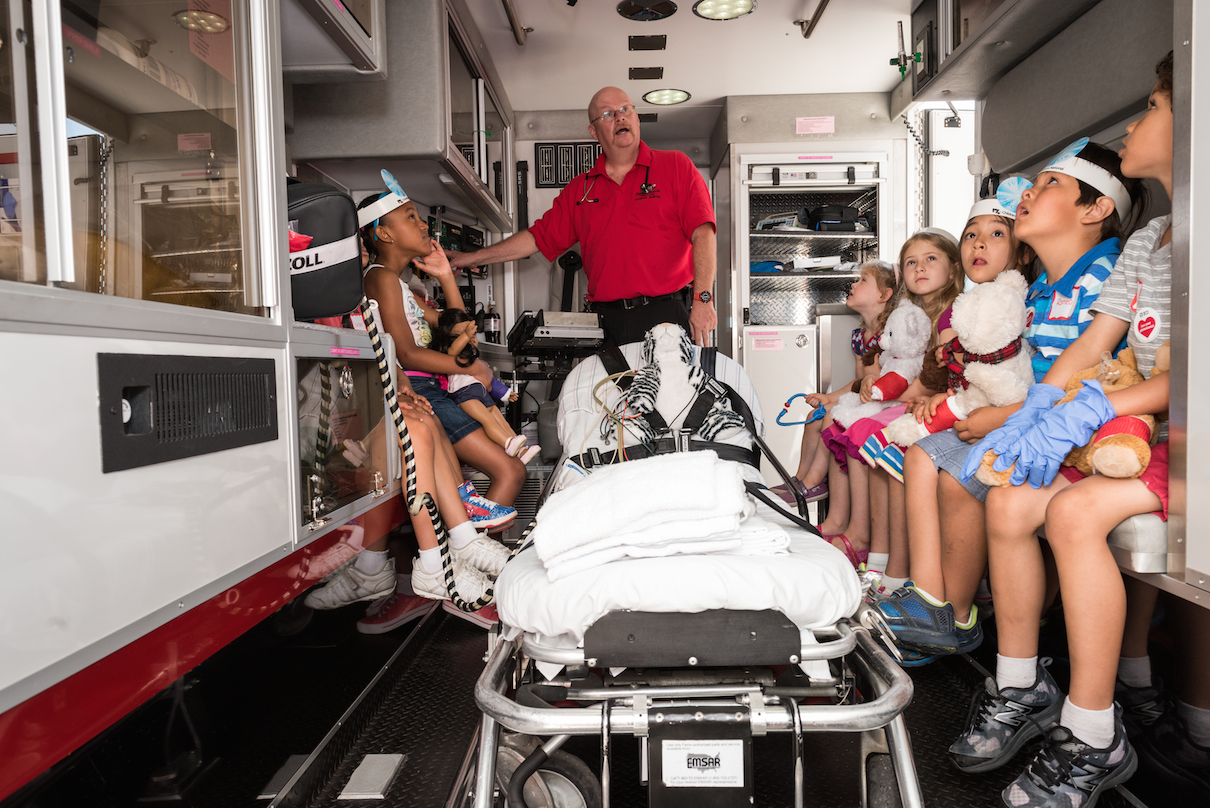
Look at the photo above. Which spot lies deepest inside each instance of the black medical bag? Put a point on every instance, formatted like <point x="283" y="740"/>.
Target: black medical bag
<point x="838" y="218"/>
<point x="325" y="278"/>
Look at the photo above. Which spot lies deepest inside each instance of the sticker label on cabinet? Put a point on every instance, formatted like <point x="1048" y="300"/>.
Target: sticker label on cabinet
<point x="703" y="764"/>
<point x="815" y="125"/>
<point x="768" y="344"/>
<point x="338" y="351"/>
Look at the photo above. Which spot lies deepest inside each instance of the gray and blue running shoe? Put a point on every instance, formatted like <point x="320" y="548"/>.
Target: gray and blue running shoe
<point x="1000" y="722"/>
<point x="917" y="622"/>
<point x="1068" y="773"/>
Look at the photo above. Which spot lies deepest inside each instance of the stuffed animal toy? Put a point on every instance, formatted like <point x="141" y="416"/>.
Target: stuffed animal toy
<point x="989" y="320"/>
<point x="668" y="383"/>
<point x="905" y="340"/>
<point x="1122" y="447"/>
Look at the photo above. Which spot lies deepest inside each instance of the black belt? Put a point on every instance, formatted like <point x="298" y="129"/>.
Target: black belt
<point x="637" y="302"/>
<point x="725" y="451"/>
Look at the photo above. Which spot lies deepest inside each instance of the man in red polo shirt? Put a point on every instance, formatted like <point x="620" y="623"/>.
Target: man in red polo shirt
<point x="645" y="224"/>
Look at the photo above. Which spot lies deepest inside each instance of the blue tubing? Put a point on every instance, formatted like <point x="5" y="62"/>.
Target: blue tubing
<point x="815" y="415"/>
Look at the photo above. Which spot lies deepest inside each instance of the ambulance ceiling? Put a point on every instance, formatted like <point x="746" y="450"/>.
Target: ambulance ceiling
<point x="574" y="51"/>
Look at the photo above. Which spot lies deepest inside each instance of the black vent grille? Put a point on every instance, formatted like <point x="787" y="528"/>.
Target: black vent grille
<point x="160" y="408"/>
<point x="202" y="405"/>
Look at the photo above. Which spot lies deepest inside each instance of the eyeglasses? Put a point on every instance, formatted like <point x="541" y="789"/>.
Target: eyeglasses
<point x="609" y="114"/>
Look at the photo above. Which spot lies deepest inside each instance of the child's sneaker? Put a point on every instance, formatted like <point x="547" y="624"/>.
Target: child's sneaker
<point x="1000" y="722"/>
<point x="484" y="554"/>
<point x="1168" y="749"/>
<point x="482" y="512"/>
<point x="393" y="611"/>
<point x="918" y="622"/>
<point x="514" y="445"/>
<point x="484" y="618"/>
<point x="871" y="584"/>
<point x="350" y="585"/>
<point x="470" y="582"/>
<point x="1068" y="773"/>
<point x="1141" y="706"/>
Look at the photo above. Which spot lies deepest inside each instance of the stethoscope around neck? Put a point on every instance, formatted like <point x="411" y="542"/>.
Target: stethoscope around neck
<point x="647" y="187"/>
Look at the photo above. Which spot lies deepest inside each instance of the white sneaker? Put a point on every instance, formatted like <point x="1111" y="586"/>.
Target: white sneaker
<point x="484" y="554"/>
<point x="350" y="585"/>
<point x="471" y="583"/>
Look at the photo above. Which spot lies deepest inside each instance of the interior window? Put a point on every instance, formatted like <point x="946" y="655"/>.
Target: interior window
<point x="154" y="146"/>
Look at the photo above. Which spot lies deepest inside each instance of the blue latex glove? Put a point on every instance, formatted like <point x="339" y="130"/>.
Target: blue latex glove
<point x="1040" y="398"/>
<point x="1060" y="430"/>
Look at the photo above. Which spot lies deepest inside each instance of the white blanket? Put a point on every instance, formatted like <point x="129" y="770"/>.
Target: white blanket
<point x="654" y="502"/>
<point x="813" y="584"/>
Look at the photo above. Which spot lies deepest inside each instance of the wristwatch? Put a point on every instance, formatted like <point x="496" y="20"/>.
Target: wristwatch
<point x="704" y="296"/>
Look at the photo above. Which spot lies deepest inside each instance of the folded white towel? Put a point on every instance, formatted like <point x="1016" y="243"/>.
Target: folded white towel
<point x="759" y="536"/>
<point x="631" y="497"/>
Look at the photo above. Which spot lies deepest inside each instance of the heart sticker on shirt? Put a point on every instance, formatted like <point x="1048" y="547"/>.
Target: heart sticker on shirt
<point x="1146" y="323"/>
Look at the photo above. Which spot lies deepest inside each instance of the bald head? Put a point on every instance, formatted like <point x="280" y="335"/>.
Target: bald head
<point x="607" y="98"/>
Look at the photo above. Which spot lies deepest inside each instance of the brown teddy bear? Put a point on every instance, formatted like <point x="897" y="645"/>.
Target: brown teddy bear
<point x="1121" y="448"/>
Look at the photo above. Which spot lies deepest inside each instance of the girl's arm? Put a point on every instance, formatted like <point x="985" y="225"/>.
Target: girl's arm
<point x="437" y="265"/>
<point x="1104" y="333"/>
<point x="1145" y="398"/>
<point x="383" y="286"/>
<point x="462" y="340"/>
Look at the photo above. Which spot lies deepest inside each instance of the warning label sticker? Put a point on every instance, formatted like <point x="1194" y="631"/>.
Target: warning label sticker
<point x="703" y="764"/>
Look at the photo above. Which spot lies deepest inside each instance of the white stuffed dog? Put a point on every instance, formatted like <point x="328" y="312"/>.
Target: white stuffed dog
<point x="989" y="320"/>
<point x="904" y="341"/>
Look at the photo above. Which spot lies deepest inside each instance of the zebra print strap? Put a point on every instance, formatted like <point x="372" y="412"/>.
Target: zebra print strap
<point x="425" y="502"/>
<point x="325" y="417"/>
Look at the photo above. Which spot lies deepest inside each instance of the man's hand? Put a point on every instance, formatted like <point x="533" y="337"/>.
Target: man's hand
<point x="459" y="260"/>
<point x="702" y="320"/>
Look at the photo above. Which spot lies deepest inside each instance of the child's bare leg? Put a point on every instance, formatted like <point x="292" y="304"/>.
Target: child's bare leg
<point x="1018" y="574"/>
<point x="898" y="564"/>
<point x="818" y="470"/>
<point x="807" y="449"/>
<point x="880" y="528"/>
<point x="837" y="520"/>
<point x="497" y="431"/>
<point x="858" y="531"/>
<point x="506" y="473"/>
<point x="963" y="522"/>
<point x="1140" y="608"/>
<point x="923" y="522"/>
<point x="1078" y="520"/>
<point x="424" y="450"/>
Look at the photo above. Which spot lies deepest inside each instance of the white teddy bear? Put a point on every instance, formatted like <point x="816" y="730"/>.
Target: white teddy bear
<point x="989" y="320"/>
<point x="905" y="339"/>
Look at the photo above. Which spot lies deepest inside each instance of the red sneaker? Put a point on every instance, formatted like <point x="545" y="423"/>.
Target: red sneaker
<point x="392" y="612"/>
<point x="484" y="618"/>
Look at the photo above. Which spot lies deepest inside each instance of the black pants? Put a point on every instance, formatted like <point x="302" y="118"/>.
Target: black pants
<point x="624" y="325"/>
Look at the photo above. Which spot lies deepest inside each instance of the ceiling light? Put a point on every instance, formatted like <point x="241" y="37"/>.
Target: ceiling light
<point x="666" y="97"/>
<point x="646" y="10"/>
<point x="205" y="21"/>
<point x="723" y="9"/>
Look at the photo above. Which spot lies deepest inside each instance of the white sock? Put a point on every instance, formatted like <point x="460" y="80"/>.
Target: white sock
<point x="371" y="561"/>
<point x="1093" y="727"/>
<point x="1135" y="671"/>
<point x="1197" y="721"/>
<point x="877" y="562"/>
<point x="430" y="560"/>
<point x="892" y="583"/>
<point x="462" y="535"/>
<point x="1018" y="672"/>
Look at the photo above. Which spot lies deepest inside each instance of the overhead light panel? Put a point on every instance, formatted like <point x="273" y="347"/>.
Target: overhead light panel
<point x="723" y="9"/>
<point x="666" y="97"/>
<point x="641" y="73"/>
<point x="205" y="21"/>
<point x="653" y="42"/>
<point x="646" y="10"/>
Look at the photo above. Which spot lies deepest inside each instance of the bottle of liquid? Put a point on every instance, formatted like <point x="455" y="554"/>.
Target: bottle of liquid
<point x="491" y="326"/>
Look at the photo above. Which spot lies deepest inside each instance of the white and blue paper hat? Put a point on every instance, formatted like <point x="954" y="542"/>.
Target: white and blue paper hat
<point x="1004" y="203"/>
<point x="392" y="198"/>
<point x="1070" y="163"/>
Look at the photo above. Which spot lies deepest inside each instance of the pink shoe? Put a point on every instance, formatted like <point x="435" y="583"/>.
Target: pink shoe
<point x="338" y="554"/>
<point x="513" y="446"/>
<point x="530" y="453"/>
<point x="856" y="557"/>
